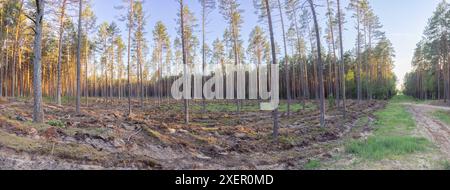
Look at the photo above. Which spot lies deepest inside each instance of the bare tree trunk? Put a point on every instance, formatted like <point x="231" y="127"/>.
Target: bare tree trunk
<point x="369" y="56"/>
<point x="203" y="54"/>
<point x="3" y="40"/>
<point x="80" y="10"/>
<point x="447" y="68"/>
<point x="129" y="56"/>
<point x="438" y="78"/>
<point x="274" y="60"/>
<point x="38" y="112"/>
<point x="336" y="70"/>
<point x="319" y="64"/>
<point x="94" y="82"/>
<point x="86" y="82"/>
<point x="236" y="62"/>
<point x="1" y="78"/>
<point x="314" y="65"/>
<point x="303" y="68"/>
<point x="286" y="62"/>
<point x="341" y="44"/>
<point x="183" y="46"/>
<point x="60" y="42"/>
<point x="358" y="62"/>
<point x="139" y="65"/>
<point x="16" y="49"/>
<point x="111" y="81"/>
<point x="5" y="69"/>
<point x="20" y="72"/>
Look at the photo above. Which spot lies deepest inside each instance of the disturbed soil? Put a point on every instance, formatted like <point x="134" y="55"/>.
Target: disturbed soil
<point x="154" y="137"/>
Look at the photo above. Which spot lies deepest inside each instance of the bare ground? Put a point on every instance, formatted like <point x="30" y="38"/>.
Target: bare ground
<point x="102" y="137"/>
<point x="430" y="127"/>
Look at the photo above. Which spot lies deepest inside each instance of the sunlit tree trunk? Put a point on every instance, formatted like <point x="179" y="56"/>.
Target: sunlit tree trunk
<point x="358" y="55"/>
<point x="86" y="81"/>
<point x="274" y="61"/>
<point x="38" y="112"/>
<point x="3" y="41"/>
<point x="16" y="54"/>
<point x="60" y="49"/>
<point x="286" y="62"/>
<point x="319" y="65"/>
<point x="183" y="47"/>
<point x="342" y="61"/>
<point x="129" y="56"/>
<point x="80" y="11"/>
<point x="302" y="64"/>
<point x="333" y="60"/>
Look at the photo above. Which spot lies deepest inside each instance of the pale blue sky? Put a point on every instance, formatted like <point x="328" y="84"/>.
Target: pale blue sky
<point x="403" y="20"/>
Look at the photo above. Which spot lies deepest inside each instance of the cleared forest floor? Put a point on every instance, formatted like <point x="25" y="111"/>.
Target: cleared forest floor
<point x="102" y="137"/>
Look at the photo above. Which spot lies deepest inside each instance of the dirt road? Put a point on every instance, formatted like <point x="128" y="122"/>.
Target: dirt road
<point x="430" y="127"/>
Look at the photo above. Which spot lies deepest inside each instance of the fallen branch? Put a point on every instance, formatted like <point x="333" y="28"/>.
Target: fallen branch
<point x="134" y="134"/>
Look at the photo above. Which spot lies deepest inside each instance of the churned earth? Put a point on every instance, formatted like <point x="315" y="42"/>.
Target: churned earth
<point x="155" y="137"/>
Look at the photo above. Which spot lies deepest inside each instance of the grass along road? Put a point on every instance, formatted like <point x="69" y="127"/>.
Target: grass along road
<point x="433" y="122"/>
<point x="405" y="135"/>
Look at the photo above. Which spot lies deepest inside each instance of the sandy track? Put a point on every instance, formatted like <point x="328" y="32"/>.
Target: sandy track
<point x="433" y="129"/>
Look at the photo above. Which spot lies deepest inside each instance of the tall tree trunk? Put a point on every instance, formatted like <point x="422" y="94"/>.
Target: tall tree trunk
<point x="129" y="56"/>
<point x="1" y="77"/>
<point x="3" y="40"/>
<point x="94" y="82"/>
<point x="111" y="81"/>
<point x="369" y="56"/>
<point x="80" y="11"/>
<point x="320" y="66"/>
<point x="303" y="72"/>
<point x="447" y="62"/>
<point x="438" y="78"/>
<point x="183" y="47"/>
<point x="286" y="63"/>
<point x="203" y="53"/>
<point x="314" y="64"/>
<point x="5" y="70"/>
<point x="274" y="61"/>
<point x="86" y="82"/>
<point x="336" y="70"/>
<point x="236" y="62"/>
<point x="38" y="112"/>
<point x="21" y="74"/>
<point x="140" y="69"/>
<point x="60" y="50"/>
<point x="342" y="61"/>
<point x="358" y="62"/>
<point x="16" y="49"/>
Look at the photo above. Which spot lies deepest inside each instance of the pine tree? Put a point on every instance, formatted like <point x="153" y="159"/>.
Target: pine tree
<point x="207" y="7"/>
<point x="162" y="46"/>
<point x="80" y="16"/>
<point x="38" y="112"/>
<point x="233" y="15"/>
<point x="319" y="63"/>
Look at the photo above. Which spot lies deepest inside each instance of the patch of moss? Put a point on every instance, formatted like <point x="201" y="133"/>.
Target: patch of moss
<point x="157" y="135"/>
<point x="443" y="116"/>
<point x="446" y="165"/>
<point x="312" y="165"/>
<point x="56" y="123"/>
<point x="61" y="150"/>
